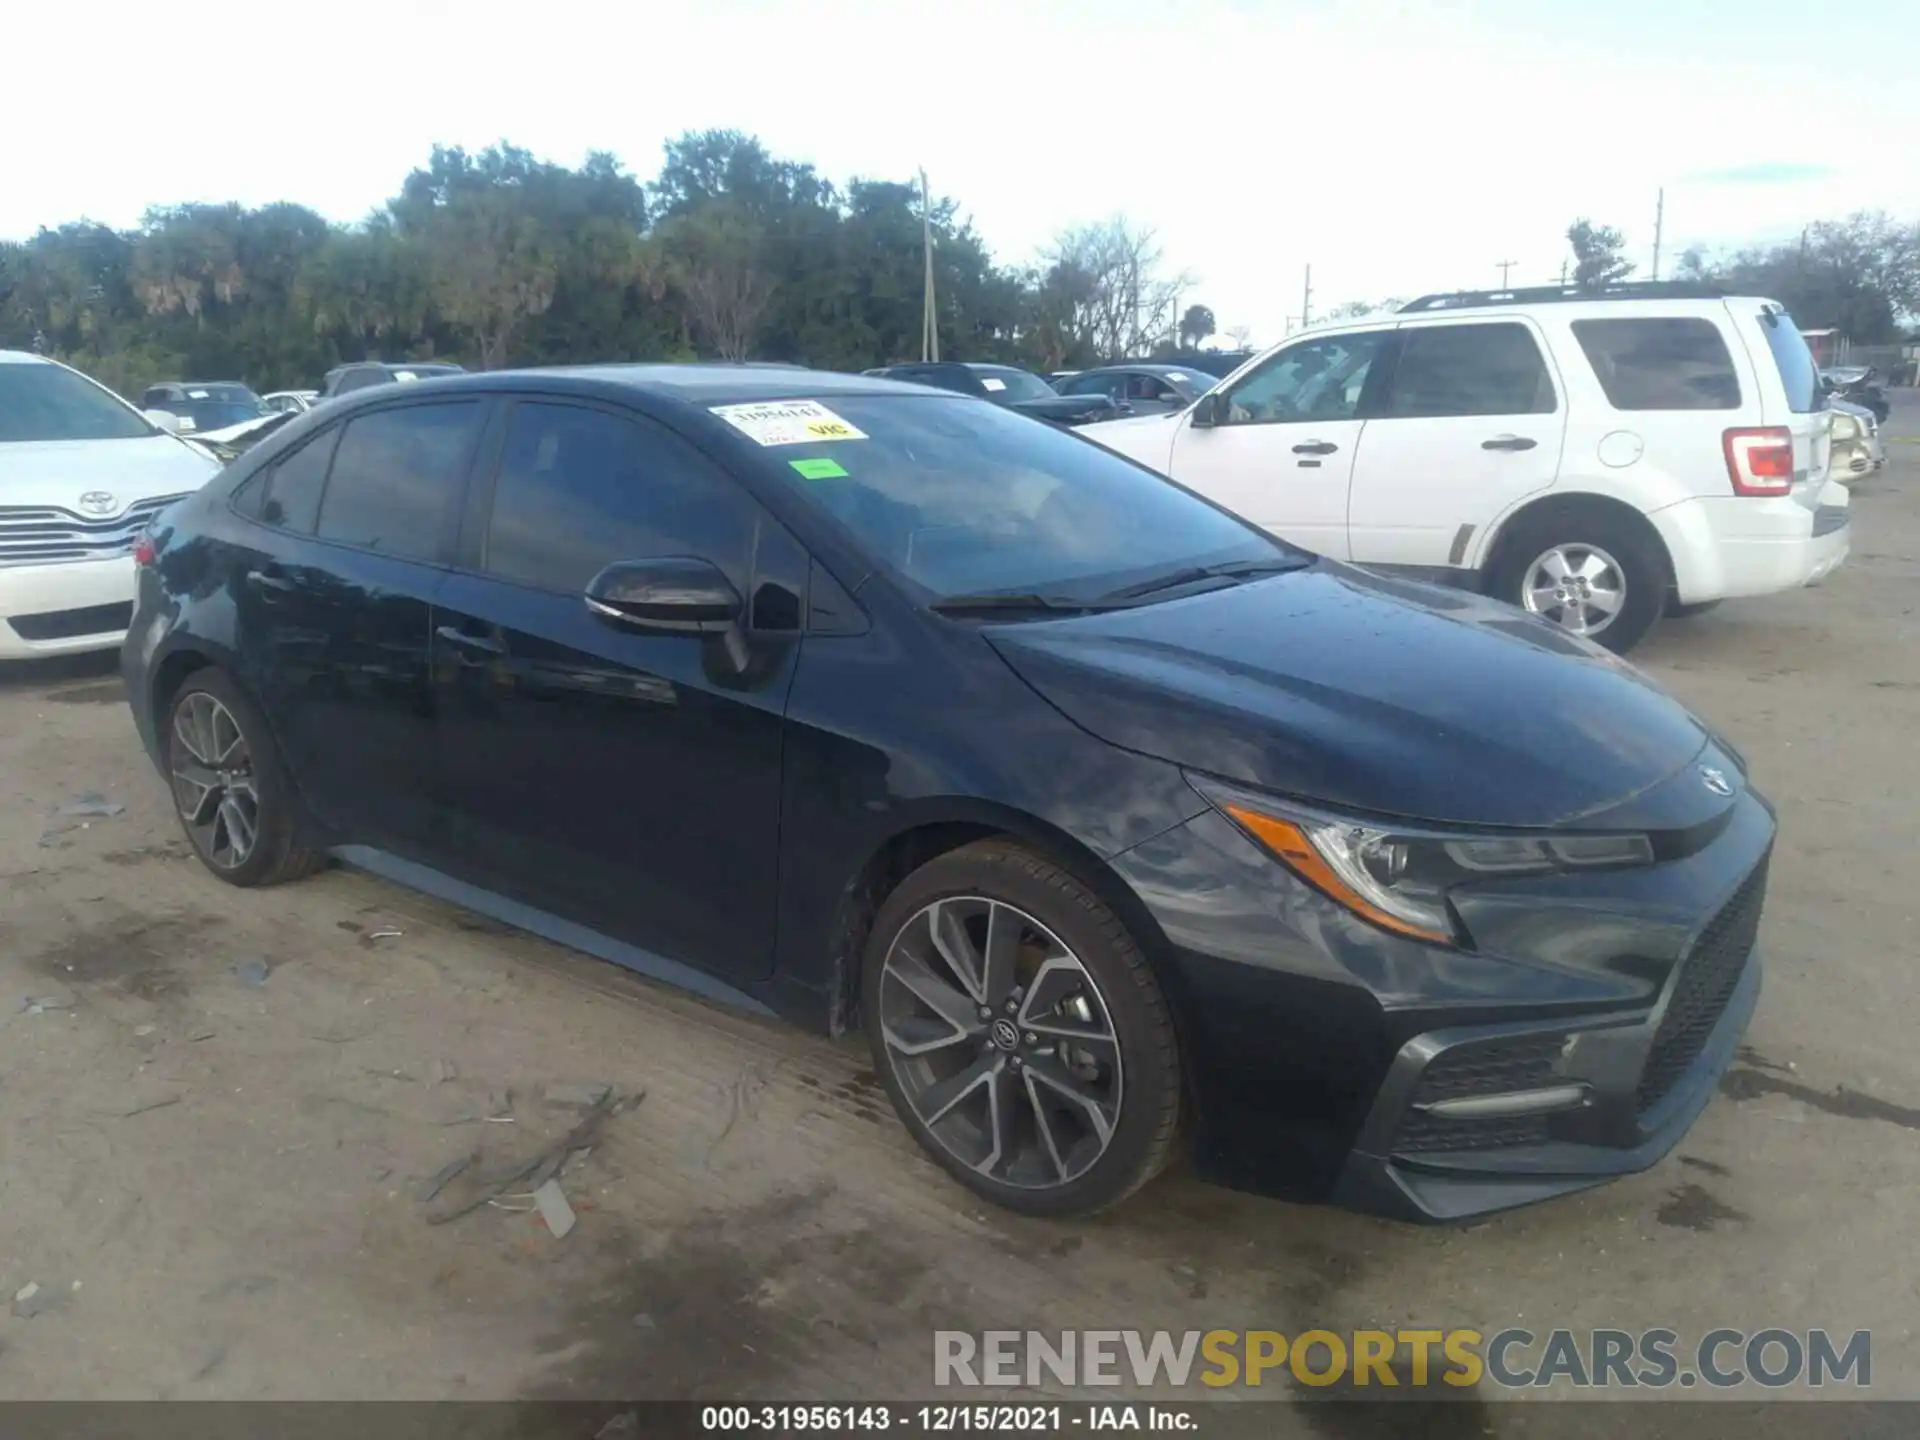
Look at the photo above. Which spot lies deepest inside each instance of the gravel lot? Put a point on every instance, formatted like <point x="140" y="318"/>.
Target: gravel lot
<point x="217" y="1182"/>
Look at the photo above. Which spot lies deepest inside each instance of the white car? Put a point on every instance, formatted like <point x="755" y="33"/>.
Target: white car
<point x="81" y="474"/>
<point x="294" y="402"/>
<point x="1597" y="459"/>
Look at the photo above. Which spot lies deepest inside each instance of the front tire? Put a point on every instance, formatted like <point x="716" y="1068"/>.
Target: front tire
<point x="1592" y="573"/>
<point x="1020" y="1032"/>
<point x="230" y="789"/>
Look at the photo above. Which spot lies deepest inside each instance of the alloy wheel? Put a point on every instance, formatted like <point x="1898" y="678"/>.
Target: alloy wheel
<point x="214" y="783"/>
<point x="1001" y="1042"/>
<point x="1579" y="587"/>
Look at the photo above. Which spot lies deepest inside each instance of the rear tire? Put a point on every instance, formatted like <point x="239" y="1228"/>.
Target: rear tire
<point x="1020" y="1032"/>
<point x="1545" y="560"/>
<point x="230" y="788"/>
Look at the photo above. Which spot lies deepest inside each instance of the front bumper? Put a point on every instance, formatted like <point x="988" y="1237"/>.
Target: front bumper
<point x="1411" y="1167"/>
<point x="1575" y="1040"/>
<point x="64" y="609"/>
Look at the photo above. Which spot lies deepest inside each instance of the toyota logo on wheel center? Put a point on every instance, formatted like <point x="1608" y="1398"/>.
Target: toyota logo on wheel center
<point x="1005" y="1034"/>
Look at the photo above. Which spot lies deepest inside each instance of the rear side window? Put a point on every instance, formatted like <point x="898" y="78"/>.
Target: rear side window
<point x="1469" y="370"/>
<point x="397" y="477"/>
<point x="579" y="489"/>
<point x="1660" y="363"/>
<point x="1798" y="374"/>
<point x="292" y="494"/>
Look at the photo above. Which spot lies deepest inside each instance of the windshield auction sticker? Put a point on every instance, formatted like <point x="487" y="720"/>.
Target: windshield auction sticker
<point x="788" y="422"/>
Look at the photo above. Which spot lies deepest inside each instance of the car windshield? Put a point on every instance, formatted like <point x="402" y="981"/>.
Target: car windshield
<point x="49" y="402"/>
<point x="959" y="498"/>
<point x="1004" y="382"/>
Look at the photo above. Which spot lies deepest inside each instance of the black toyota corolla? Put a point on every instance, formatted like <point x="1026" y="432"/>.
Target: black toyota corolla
<point x="1120" y="827"/>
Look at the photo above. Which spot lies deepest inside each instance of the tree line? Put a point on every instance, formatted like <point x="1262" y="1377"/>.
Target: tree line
<point x="501" y="258"/>
<point x="730" y="252"/>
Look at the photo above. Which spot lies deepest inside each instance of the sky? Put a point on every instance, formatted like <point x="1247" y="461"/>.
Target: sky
<point x="1396" y="148"/>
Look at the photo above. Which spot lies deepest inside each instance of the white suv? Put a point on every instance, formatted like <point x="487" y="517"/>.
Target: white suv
<point x="1600" y="459"/>
<point x="81" y="474"/>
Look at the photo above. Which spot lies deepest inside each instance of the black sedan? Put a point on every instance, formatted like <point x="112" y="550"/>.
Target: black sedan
<point x="1119" y="826"/>
<point x="1143" y="389"/>
<point x="1007" y="385"/>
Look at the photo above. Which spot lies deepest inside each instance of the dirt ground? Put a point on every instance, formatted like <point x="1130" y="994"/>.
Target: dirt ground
<point x="215" y="1178"/>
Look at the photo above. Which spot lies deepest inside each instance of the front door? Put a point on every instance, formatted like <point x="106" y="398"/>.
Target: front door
<point x="622" y="780"/>
<point x="334" y="611"/>
<point x="1282" y="450"/>
<point x="1470" y="423"/>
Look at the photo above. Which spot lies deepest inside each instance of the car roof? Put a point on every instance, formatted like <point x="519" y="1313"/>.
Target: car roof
<point x="23" y="357"/>
<point x="719" y="384"/>
<point x="1150" y="367"/>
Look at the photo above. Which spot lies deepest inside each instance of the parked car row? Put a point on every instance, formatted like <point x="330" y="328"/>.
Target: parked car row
<point x="1126" y="817"/>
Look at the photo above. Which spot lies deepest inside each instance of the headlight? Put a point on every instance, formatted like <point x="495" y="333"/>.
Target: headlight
<point x="1398" y="877"/>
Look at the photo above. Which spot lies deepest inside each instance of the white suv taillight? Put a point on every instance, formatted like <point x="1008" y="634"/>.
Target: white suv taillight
<point x="1760" y="460"/>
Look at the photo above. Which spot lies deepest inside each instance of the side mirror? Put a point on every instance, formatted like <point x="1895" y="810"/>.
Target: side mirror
<point x="677" y="595"/>
<point x="1209" y="410"/>
<point x="163" y="419"/>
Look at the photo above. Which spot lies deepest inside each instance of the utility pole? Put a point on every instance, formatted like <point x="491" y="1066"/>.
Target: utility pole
<point x="1563" y="274"/>
<point x="1306" y="299"/>
<point x="1504" y="266"/>
<point x="1659" y="220"/>
<point x="929" y="314"/>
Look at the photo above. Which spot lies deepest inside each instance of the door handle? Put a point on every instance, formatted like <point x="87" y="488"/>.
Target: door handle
<point x="474" y="644"/>
<point x="1509" y="442"/>
<point x="267" y="580"/>
<point x="1316" y="447"/>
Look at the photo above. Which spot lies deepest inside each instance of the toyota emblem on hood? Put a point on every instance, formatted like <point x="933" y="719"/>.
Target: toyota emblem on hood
<point x="99" y="502"/>
<point x="1715" y="780"/>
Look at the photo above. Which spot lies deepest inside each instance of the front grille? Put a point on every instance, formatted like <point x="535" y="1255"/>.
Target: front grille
<point x="1709" y="974"/>
<point x="1480" y="1067"/>
<point x="1490" y="1067"/>
<point x="68" y="624"/>
<point x="48" y="535"/>
<point x="1424" y="1133"/>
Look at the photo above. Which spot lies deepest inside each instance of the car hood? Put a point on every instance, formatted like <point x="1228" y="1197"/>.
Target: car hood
<point x="1334" y="685"/>
<point x="1063" y="407"/>
<point x="59" y="472"/>
<point x="1146" y="438"/>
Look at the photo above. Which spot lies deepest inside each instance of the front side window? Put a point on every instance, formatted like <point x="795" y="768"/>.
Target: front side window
<point x="397" y="477"/>
<point x="1660" y="363"/>
<point x="1470" y="370"/>
<point x="1314" y="380"/>
<point x="1108" y="385"/>
<point x="40" y="402"/>
<point x="579" y="489"/>
<point x="958" y="498"/>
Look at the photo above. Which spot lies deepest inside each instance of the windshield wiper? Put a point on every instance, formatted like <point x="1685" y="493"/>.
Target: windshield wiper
<point x="991" y="604"/>
<point x="1194" y="574"/>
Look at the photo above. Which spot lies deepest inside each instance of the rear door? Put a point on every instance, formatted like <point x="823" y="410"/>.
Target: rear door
<point x="1282" y="452"/>
<point x="1471" y="422"/>
<point x="626" y="781"/>
<point x="335" y="610"/>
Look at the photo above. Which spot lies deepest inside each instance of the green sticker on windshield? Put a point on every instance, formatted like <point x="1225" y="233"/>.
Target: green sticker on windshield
<point x="818" y="469"/>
